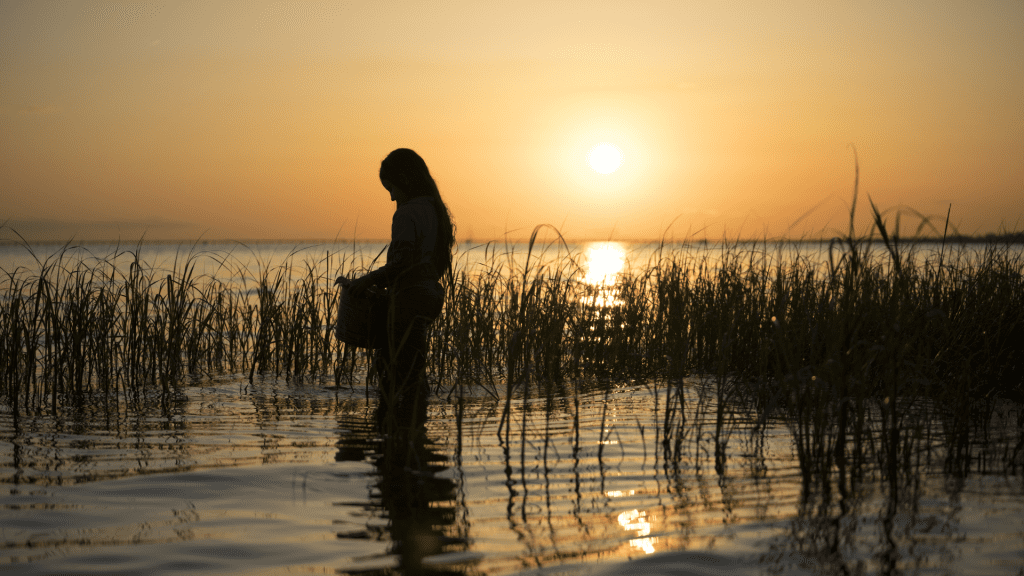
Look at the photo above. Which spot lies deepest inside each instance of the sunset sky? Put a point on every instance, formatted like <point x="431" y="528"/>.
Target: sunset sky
<point x="257" y="119"/>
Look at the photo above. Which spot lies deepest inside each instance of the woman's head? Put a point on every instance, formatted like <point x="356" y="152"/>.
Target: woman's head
<point x="405" y="170"/>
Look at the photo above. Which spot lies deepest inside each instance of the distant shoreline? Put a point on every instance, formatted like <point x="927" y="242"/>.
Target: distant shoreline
<point x="1015" y="238"/>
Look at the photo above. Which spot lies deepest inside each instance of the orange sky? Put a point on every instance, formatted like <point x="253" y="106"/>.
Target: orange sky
<point x="269" y="119"/>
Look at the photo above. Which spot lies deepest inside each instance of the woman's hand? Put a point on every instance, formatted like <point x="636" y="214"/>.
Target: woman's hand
<point x="360" y="286"/>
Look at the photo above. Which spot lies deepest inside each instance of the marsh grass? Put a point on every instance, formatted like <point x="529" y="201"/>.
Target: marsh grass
<point x="872" y="332"/>
<point x="881" y="358"/>
<point x="86" y="328"/>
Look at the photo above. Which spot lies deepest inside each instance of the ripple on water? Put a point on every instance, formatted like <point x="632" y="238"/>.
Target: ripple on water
<point x="282" y="478"/>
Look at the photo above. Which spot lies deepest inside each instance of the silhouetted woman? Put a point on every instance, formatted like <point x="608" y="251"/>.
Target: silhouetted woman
<point x="420" y="254"/>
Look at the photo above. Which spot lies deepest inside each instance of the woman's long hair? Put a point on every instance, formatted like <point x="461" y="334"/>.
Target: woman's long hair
<point x="406" y="169"/>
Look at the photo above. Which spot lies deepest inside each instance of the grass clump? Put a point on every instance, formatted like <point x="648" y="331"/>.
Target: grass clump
<point x="817" y="336"/>
<point x="81" y="327"/>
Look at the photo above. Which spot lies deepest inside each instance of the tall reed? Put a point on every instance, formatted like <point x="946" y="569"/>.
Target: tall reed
<point x="81" y="327"/>
<point x="821" y="339"/>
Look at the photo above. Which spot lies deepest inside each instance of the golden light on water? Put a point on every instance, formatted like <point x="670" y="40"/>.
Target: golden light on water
<point x="602" y="266"/>
<point x="619" y="493"/>
<point x="604" y="262"/>
<point x="635" y="520"/>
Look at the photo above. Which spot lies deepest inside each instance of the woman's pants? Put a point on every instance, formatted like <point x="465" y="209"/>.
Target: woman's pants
<point x="399" y="334"/>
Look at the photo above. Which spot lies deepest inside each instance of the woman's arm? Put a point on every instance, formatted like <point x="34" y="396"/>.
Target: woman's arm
<point x="403" y="253"/>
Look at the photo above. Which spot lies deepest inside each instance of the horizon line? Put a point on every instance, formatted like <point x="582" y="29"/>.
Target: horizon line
<point x="1014" y="236"/>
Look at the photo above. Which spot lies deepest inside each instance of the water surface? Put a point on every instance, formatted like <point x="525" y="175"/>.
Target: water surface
<point x="223" y="475"/>
<point x="280" y="477"/>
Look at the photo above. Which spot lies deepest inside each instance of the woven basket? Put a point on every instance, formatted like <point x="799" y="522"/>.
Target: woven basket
<point x="353" y="326"/>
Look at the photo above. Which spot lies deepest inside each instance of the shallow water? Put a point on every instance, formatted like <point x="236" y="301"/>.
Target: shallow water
<point x="281" y="477"/>
<point x="597" y="261"/>
<point x="275" y="477"/>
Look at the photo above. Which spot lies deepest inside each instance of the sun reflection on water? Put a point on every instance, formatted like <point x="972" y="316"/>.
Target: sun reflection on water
<point x="604" y="261"/>
<point x="635" y="520"/>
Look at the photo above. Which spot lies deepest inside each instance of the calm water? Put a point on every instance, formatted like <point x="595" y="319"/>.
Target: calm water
<point x="282" y="477"/>
<point x="595" y="261"/>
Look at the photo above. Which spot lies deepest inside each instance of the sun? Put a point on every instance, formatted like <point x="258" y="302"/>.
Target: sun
<point x="605" y="158"/>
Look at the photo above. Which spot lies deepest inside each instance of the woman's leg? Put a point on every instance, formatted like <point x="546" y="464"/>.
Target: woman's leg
<point x="402" y="355"/>
<point x="408" y="342"/>
<point x="408" y="354"/>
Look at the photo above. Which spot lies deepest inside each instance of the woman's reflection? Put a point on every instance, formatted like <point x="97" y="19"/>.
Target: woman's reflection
<point x="419" y="505"/>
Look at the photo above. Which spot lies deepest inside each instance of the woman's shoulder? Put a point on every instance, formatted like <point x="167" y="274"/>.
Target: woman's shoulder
<point x="420" y="202"/>
<point x="415" y="206"/>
